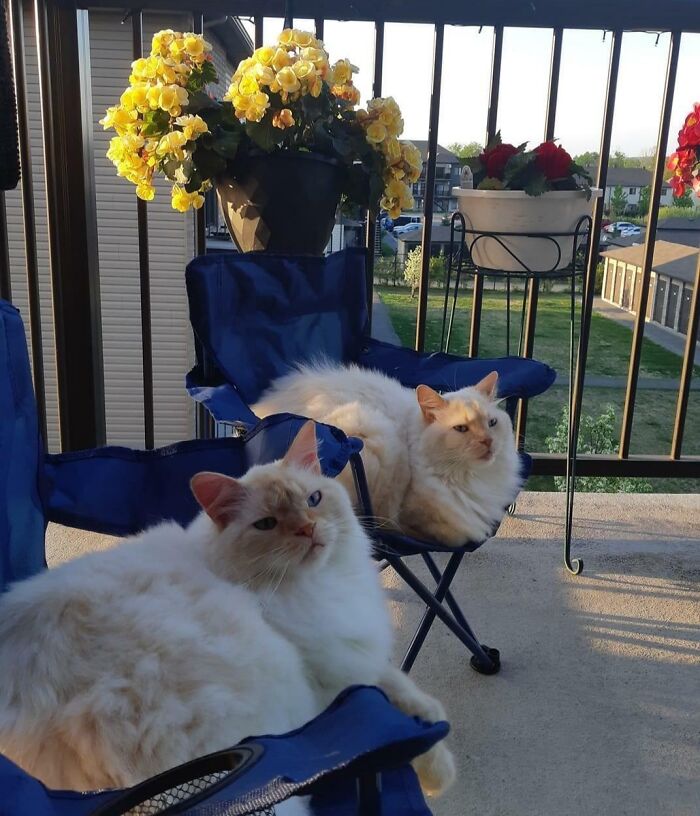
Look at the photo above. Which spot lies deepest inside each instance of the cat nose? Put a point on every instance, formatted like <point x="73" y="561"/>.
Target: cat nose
<point x="487" y="442"/>
<point x="307" y="530"/>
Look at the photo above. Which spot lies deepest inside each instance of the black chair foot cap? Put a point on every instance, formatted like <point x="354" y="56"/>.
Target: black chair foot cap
<point x="493" y="666"/>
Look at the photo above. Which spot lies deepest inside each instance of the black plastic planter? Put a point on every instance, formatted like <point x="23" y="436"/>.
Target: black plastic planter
<point x="282" y="202"/>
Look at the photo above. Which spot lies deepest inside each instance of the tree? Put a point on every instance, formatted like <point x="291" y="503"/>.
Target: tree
<point x="411" y="271"/>
<point x="618" y="202"/>
<point x="618" y="159"/>
<point x="685" y="201"/>
<point x="588" y="159"/>
<point x="465" y="150"/>
<point x="644" y="200"/>
<point x="596" y="435"/>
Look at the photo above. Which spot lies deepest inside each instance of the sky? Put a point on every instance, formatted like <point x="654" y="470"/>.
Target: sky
<point x="407" y="77"/>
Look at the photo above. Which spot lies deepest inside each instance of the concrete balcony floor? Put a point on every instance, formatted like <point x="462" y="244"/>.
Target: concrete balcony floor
<point x="596" y="709"/>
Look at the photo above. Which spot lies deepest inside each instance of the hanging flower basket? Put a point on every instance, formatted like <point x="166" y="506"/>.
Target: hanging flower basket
<point x="524" y="192"/>
<point x="283" y="147"/>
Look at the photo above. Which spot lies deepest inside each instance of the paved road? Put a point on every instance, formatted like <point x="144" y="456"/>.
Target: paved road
<point x="382" y="328"/>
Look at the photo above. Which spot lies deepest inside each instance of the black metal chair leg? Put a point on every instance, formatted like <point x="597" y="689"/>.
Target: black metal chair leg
<point x="369" y="795"/>
<point x="484" y="660"/>
<point x="449" y="597"/>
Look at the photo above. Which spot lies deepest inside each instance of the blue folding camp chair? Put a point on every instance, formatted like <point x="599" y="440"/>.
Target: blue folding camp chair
<point x="256" y="315"/>
<point x="335" y="758"/>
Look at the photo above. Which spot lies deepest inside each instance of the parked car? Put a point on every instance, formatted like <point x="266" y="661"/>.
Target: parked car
<point x="406" y="228"/>
<point x="618" y="226"/>
<point x="627" y="232"/>
<point x="387" y="224"/>
<point x="402" y="220"/>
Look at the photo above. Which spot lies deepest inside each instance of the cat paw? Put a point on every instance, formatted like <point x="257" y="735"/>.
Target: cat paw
<point x="436" y="770"/>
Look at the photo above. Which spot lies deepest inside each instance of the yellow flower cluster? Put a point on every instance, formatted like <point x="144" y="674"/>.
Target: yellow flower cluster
<point x="296" y="66"/>
<point x="157" y="83"/>
<point x="383" y="124"/>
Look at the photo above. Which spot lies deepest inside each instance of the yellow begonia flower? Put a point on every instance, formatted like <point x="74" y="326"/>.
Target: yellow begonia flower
<point x="303" y="39"/>
<point x="304" y="69"/>
<point x="196" y="46"/>
<point x="286" y="37"/>
<point x="341" y="72"/>
<point x="161" y="41"/>
<point x="318" y="57"/>
<point x="347" y="92"/>
<point x="287" y="80"/>
<point x="177" y="47"/>
<point x="281" y="59"/>
<point x="145" y="191"/>
<point x="392" y="150"/>
<point x="283" y="119"/>
<point x="170" y="98"/>
<point x="376" y="133"/>
<point x="182" y="201"/>
<point x="119" y="118"/>
<point x="192" y="126"/>
<point x="316" y="86"/>
<point x="171" y="145"/>
<point x="248" y="85"/>
<point x="264" y="75"/>
<point x="264" y="55"/>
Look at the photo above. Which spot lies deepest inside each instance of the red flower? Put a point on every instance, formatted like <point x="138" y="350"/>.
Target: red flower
<point x="494" y="160"/>
<point x="677" y="185"/>
<point x="553" y="161"/>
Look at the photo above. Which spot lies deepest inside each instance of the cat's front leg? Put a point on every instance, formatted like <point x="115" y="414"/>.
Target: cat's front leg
<point x="433" y="512"/>
<point x="436" y="769"/>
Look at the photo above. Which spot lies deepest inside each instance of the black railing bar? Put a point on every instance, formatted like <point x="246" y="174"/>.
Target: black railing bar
<point x="687" y="370"/>
<point x="429" y="199"/>
<point x="28" y="217"/>
<point x="533" y="285"/>
<point x="650" y="242"/>
<point x="319" y="27"/>
<point x="65" y="94"/>
<point x="641" y="466"/>
<point x="258" y="22"/>
<point x="594" y="240"/>
<point x="491" y="128"/>
<point x="289" y="14"/>
<point x="5" y="278"/>
<point x="371" y="226"/>
<point x="144" y="274"/>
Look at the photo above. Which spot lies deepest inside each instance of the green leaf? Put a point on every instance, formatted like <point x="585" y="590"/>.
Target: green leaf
<point x="156" y="123"/>
<point x="195" y="181"/>
<point x="208" y="163"/>
<point x="264" y="134"/>
<point x="495" y="140"/>
<point x="226" y="143"/>
<point x="228" y="116"/>
<point x="536" y="184"/>
<point x="200" y="101"/>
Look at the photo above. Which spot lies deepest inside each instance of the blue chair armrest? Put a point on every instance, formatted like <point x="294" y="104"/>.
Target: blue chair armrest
<point x="121" y="491"/>
<point x="517" y="376"/>
<point x="361" y="733"/>
<point x="222" y="400"/>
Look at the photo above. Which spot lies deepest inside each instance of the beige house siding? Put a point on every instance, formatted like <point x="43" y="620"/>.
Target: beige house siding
<point x="171" y="245"/>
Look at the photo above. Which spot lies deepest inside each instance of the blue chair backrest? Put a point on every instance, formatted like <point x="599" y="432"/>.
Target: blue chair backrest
<point x="22" y="519"/>
<point x="253" y="314"/>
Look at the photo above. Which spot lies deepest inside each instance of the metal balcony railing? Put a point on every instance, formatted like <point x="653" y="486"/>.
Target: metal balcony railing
<point x="61" y="42"/>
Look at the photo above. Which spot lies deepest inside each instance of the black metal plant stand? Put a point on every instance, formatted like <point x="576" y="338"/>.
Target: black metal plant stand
<point x="459" y="261"/>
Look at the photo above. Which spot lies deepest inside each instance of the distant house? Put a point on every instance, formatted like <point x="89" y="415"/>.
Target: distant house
<point x="670" y="288"/>
<point x="447" y="169"/>
<point x="632" y="180"/>
<point x="439" y="241"/>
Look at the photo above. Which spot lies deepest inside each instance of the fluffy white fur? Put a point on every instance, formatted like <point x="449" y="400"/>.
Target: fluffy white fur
<point x="438" y="467"/>
<point x="121" y="664"/>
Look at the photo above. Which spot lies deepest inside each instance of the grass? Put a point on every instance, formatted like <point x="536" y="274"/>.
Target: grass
<point x="608" y="355"/>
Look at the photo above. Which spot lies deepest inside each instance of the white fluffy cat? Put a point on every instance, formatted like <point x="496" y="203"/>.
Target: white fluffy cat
<point x="438" y="467"/>
<point x="179" y="642"/>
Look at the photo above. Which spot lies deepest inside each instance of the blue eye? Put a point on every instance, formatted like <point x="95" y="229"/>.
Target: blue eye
<point x="314" y="498"/>
<point x="492" y="422"/>
<point x="267" y="523"/>
<point x="461" y="428"/>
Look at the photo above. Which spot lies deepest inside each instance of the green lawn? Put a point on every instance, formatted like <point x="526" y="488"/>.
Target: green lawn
<point x="608" y="355"/>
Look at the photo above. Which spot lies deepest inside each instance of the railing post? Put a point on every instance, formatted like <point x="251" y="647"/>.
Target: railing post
<point x="426" y="244"/>
<point x="647" y="263"/>
<point x="687" y="371"/>
<point x="64" y="79"/>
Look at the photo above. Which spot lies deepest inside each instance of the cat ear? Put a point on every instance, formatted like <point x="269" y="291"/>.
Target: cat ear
<point x="430" y="401"/>
<point x="303" y="452"/>
<point x="489" y="385"/>
<point x="219" y="496"/>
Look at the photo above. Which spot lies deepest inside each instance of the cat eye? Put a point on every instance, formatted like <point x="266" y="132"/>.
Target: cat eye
<point x="315" y="498"/>
<point x="266" y="523"/>
<point x="492" y="422"/>
<point x="461" y="428"/>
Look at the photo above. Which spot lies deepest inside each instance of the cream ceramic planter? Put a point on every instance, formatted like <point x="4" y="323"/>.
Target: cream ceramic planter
<point x="516" y="211"/>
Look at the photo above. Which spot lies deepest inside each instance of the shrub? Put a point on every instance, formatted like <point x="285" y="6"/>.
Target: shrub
<point x="596" y="435"/>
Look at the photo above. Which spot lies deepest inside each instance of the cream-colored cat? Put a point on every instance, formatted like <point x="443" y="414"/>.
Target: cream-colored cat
<point x="438" y="467"/>
<point x="180" y="642"/>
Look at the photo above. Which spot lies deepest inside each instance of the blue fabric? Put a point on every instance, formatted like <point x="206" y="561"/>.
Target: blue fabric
<point x="360" y="732"/>
<point x="517" y="376"/>
<point x="121" y="491"/>
<point x="22" y="523"/>
<point x="255" y="315"/>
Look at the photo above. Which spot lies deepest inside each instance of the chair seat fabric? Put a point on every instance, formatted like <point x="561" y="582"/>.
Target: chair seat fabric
<point x="360" y="732"/>
<point x="121" y="491"/>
